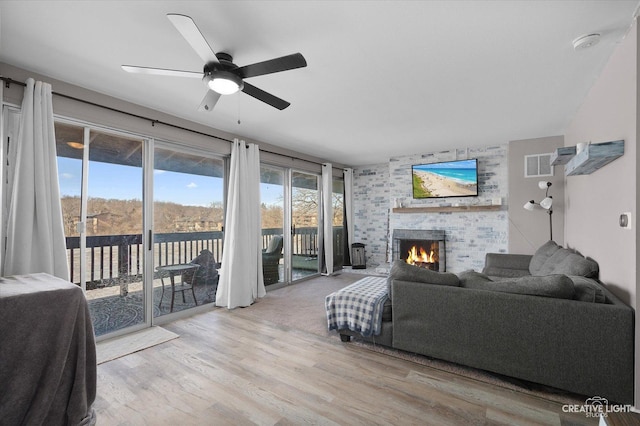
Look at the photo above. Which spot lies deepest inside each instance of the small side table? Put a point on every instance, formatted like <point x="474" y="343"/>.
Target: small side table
<point x="172" y="271"/>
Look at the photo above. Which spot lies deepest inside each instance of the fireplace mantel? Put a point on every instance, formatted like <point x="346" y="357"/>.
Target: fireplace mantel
<point x="449" y="209"/>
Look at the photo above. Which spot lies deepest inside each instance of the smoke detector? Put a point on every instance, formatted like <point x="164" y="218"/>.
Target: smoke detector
<point x="586" y="41"/>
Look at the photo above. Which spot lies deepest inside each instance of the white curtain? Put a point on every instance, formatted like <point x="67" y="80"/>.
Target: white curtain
<point x="241" y="281"/>
<point x="327" y="218"/>
<point x="348" y="206"/>
<point x="35" y="231"/>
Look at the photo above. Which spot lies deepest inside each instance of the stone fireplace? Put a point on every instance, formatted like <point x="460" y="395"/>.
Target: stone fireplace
<point x="423" y="248"/>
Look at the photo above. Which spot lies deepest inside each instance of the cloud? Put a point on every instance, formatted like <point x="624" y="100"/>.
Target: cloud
<point x="192" y="185"/>
<point x="66" y="175"/>
<point x="158" y="172"/>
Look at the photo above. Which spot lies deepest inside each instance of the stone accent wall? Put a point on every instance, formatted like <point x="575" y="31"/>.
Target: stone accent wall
<point x="469" y="235"/>
<point x="371" y="211"/>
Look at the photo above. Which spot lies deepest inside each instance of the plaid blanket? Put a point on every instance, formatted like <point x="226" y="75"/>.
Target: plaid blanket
<point x="358" y="307"/>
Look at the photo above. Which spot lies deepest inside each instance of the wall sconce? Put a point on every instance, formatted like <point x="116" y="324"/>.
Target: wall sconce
<point x="546" y="204"/>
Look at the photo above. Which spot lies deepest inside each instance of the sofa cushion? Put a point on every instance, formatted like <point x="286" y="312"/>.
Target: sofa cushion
<point x="557" y="286"/>
<point x="402" y="271"/>
<point x="552" y="259"/>
<point x="588" y="290"/>
<point x="503" y="265"/>
<point x="387" y="311"/>
<point x="470" y="277"/>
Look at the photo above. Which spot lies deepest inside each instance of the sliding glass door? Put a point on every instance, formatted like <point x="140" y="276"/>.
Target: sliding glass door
<point x="337" y="198"/>
<point x="101" y="186"/>
<point x="304" y="220"/>
<point x="143" y="221"/>
<point x="272" y="205"/>
<point x="188" y="214"/>
<point x="289" y="208"/>
<point x="116" y="190"/>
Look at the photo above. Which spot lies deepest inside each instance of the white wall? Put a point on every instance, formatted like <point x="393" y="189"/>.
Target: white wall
<point x="594" y="202"/>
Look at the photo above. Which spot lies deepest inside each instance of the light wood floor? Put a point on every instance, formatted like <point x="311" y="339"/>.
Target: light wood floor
<point x="227" y="369"/>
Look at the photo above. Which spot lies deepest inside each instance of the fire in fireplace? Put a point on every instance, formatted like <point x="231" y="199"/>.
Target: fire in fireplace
<point x="423" y="257"/>
<point x="423" y="248"/>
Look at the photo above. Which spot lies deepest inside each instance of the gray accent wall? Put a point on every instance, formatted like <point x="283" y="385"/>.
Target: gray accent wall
<point x="528" y="230"/>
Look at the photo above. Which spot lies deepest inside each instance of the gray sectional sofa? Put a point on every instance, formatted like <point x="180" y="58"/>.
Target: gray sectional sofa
<point x="543" y="318"/>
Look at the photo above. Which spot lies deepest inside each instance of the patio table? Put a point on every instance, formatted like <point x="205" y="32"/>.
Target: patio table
<point x="172" y="271"/>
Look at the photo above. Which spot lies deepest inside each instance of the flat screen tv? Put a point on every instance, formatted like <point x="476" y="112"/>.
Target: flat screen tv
<point x="446" y="179"/>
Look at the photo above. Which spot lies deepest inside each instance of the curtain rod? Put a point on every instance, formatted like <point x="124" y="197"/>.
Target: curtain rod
<point x="8" y="81"/>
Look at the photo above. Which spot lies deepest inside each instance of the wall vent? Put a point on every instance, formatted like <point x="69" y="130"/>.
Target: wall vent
<point x="538" y="165"/>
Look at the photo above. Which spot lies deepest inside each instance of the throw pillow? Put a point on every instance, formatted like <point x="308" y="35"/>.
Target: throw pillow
<point x="402" y="271"/>
<point x="541" y="256"/>
<point x="553" y="263"/>
<point x="551" y="259"/>
<point x="556" y="286"/>
<point x="575" y="264"/>
<point x="588" y="290"/>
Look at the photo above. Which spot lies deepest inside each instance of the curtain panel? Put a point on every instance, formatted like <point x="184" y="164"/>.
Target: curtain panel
<point x="34" y="227"/>
<point x="241" y="280"/>
<point x="348" y="208"/>
<point x="326" y="238"/>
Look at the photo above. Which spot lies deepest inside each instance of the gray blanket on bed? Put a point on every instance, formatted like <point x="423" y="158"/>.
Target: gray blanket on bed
<point x="47" y="352"/>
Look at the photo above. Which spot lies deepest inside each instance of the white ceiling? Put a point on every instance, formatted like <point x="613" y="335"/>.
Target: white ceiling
<point x="383" y="78"/>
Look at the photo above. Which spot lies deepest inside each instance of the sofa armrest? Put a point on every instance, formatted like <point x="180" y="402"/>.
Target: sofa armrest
<point x="507" y="265"/>
<point x="587" y="348"/>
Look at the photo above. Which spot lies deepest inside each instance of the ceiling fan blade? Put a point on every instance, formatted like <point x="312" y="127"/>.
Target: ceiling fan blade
<point x="265" y="97"/>
<point x="283" y="63"/>
<point x="209" y="101"/>
<point x="161" y="71"/>
<point x="194" y="37"/>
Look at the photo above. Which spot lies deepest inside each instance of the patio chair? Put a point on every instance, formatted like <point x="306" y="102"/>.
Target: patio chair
<point x="207" y="273"/>
<point x="271" y="260"/>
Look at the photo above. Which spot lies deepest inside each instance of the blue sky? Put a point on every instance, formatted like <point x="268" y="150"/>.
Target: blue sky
<point x="125" y="183"/>
<point x="186" y="189"/>
<point x="457" y="164"/>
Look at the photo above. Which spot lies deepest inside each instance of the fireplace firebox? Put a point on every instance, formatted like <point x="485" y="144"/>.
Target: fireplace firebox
<point x="423" y="248"/>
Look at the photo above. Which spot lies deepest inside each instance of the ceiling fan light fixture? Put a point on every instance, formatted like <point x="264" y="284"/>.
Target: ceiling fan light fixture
<point x="220" y="74"/>
<point x="224" y="82"/>
<point x="76" y="145"/>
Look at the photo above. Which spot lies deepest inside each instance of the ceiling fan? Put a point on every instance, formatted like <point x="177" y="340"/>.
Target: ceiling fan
<point x="220" y="74"/>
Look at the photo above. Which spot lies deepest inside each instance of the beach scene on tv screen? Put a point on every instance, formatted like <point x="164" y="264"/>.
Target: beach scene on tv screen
<point x="449" y="179"/>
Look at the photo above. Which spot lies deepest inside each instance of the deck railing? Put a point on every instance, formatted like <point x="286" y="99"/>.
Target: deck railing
<point x="117" y="259"/>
